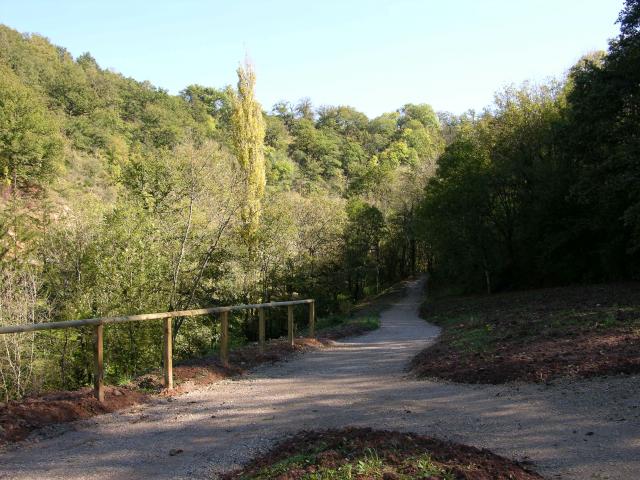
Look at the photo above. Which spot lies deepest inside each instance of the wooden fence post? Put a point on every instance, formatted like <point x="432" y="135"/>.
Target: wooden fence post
<point x="290" y="324"/>
<point x="224" y="339"/>
<point x="261" y="329"/>
<point x="99" y="323"/>
<point x="168" y="355"/>
<point x="98" y="373"/>
<point x="312" y="319"/>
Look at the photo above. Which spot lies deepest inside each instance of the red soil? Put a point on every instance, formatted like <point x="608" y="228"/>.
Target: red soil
<point x="19" y="418"/>
<point x="398" y="452"/>
<point x="535" y="336"/>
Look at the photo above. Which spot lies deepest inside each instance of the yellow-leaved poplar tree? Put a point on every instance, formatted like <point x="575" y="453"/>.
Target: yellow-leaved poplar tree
<point x="248" y="130"/>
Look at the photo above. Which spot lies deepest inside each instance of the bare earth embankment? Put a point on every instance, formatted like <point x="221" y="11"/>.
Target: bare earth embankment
<point x="575" y="429"/>
<point x="535" y="335"/>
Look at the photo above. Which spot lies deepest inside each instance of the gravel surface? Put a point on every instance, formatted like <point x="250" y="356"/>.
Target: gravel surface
<point x="587" y="429"/>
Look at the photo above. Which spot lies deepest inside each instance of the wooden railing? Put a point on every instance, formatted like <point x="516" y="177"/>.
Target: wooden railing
<point x="99" y="323"/>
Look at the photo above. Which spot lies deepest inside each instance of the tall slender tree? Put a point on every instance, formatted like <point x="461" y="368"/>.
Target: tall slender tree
<point x="248" y="131"/>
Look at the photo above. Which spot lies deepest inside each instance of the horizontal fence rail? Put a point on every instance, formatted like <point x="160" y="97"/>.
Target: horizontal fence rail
<point x="98" y="329"/>
<point x="145" y="316"/>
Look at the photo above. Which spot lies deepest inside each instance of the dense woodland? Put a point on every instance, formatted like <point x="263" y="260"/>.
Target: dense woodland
<point x="119" y="198"/>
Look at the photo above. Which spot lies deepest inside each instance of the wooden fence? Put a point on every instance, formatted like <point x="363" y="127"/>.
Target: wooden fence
<point x="98" y="329"/>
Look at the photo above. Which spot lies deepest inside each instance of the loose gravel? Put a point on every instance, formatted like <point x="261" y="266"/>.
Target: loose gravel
<point x="587" y="429"/>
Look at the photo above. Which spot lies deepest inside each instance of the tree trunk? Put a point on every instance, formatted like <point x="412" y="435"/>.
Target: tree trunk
<point x="487" y="278"/>
<point x="412" y="246"/>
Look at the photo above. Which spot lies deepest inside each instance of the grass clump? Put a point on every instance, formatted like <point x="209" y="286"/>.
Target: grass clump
<point x="366" y="454"/>
<point x="338" y="326"/>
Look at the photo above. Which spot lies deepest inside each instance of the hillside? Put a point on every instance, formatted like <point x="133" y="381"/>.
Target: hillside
<point x="120" y="198"/>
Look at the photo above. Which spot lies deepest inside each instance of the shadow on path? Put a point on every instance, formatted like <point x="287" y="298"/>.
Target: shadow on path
<point x="581" y="430"/>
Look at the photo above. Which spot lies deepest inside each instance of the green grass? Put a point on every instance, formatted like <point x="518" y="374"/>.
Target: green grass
<point x="474" y="339"/>
<point x="363" y="453"/>
<point x="369" y="465"/>
<point x="368" y="321"/>
<point x="427" y="468"/>
<point x="480" y="324"/>
<point x="284" y="466"/>
<point x="363" y="316"/>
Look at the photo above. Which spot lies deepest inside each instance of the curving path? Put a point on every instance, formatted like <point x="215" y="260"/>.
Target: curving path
<point x="575" y="430"/>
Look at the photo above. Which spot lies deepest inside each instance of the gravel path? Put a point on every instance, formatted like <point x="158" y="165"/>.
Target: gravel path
<point x="575" y="430"/>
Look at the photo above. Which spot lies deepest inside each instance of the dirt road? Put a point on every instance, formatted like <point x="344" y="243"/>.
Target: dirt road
<point x="573" y="430"/>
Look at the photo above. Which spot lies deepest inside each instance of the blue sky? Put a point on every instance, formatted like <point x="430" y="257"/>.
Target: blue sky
<point x="373" y="55"/>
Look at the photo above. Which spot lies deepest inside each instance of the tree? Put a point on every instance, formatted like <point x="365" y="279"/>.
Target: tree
<point x="493" y="214"/>
<point x="363" y="234"/>
<point x="603" y="141"/>
<point x="30" y="142"/>
<point x="304" y="109"/>
<point x="248" y="131"/>
<point x="421" y="113"/>
<point x="344" y="120"/>
<point x="216" y="103"/>
<point x="629" y="20"/>
<point x="19" y="305"/>
<point x="316" y="150"/>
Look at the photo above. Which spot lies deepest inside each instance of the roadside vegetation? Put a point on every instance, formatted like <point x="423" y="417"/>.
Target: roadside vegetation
<point x="365" y="454"/>
<point x="535" y="335"/>
<point x="19" y="418"/>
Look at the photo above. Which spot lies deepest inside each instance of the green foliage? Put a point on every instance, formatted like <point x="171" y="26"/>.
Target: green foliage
<point x="456" y="211"/>
<point x="367" y="465"/>
<point x="330" y="322"/>
<point x="248" y="131"/>
<point x="211" y="106"/>
<point x="30" y="142"/>
<point x="346" y="121"/>
<point x="121" y="199"/>
<point x="422" y="114"/>
<point x="540" y="189"/>
<point x="604" y="148"/>
<point x="363" y="235"/>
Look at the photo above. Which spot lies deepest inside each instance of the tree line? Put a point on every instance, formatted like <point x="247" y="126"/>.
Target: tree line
<point x="543" y="188"/>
